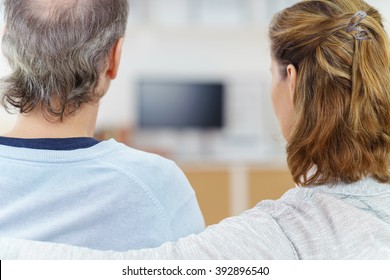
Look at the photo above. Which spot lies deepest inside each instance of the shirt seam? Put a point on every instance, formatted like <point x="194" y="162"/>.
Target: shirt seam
<point x="282" y="231"/>
<point x="284" y="234"/>
<point x="147" y="191"/>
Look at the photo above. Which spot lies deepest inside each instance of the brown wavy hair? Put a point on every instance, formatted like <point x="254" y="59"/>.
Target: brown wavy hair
<point x="342" y="96"/>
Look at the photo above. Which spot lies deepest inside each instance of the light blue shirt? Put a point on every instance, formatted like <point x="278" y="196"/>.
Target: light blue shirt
<point x="106" y="197"/>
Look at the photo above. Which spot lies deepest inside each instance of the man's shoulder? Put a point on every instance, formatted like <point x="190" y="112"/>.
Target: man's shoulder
<point x="158" y="174"/>
<point x="124" y="156"/>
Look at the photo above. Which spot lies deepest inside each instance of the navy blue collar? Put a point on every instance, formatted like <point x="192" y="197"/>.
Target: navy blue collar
<point x="60" y="144"/>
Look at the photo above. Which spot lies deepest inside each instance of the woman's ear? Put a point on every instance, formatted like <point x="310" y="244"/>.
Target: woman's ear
<point x="292" y="79"/>
<point x="114" y="58"/>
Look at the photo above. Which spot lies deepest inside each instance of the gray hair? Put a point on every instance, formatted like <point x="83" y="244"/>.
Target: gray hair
<point x="57" y="50"/>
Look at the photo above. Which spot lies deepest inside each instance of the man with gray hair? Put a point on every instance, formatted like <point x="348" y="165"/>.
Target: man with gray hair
<point x="58" y="183"/>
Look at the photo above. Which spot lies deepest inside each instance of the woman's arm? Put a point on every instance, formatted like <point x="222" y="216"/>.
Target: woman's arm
<point x="252" y="235"/>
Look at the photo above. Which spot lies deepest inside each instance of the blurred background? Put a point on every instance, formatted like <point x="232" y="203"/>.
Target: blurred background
<point x="194" y="87"/>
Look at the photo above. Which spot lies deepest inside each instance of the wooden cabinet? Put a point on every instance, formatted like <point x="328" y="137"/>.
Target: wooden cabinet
<point x="212" y="192"/>
<point x="268" y="184"/>
<point x="229" y="190"/>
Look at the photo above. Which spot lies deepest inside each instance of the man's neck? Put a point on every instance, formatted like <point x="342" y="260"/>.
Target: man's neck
<point x="35" y="125"/>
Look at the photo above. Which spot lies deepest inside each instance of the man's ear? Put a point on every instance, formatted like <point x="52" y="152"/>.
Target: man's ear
<point x="114" y="58"/>
<point x="292" y="79"/>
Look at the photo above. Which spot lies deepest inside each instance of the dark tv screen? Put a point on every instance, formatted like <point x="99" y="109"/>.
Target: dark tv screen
<point x="177" y="104"/>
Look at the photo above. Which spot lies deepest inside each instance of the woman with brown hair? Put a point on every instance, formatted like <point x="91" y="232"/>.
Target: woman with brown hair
<point x="331" y="94"/>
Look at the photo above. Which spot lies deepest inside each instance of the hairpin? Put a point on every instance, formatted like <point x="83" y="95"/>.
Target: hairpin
<point x="355" y="20"/>
<point x="360" y="33"/>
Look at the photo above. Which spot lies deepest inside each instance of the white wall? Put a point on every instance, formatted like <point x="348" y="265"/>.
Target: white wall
<point x="6" y="120"/>
<point x="384" y="8"/>
<point x="202" y="48"/>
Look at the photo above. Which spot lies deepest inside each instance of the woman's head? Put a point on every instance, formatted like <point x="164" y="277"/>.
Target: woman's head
<point x="339" y="129"/>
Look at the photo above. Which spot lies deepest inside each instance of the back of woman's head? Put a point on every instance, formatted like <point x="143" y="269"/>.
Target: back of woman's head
<point x="342" y="94"/>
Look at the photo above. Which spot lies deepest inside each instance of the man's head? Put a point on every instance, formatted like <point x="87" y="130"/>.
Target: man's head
<point x="58" y="50"/>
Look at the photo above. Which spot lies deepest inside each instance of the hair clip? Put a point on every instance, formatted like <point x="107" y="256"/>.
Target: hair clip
<point x="361" y="34"/>
<point x="355" y="20"/>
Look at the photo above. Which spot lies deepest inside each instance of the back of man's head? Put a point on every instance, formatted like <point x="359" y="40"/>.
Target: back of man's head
<point x="57" y="50"/>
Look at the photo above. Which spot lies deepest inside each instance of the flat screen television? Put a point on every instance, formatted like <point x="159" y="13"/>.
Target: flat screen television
<point x="180" y="104"/>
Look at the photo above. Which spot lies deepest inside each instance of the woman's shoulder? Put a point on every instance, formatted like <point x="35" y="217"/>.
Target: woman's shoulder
<point x="334" y="221"/>
<point x="327" y="196"/>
